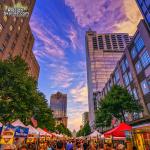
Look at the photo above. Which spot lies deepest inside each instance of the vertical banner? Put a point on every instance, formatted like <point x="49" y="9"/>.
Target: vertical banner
<point x="7" y="135"/>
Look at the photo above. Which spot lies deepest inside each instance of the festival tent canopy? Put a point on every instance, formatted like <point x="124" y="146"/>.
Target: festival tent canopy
<point x="114" y="137"/>
<point x="32" y="130"/>
<point x="18" y="123"/>
<point x="118" y="131"/>
<point x="95" y="134"/>
<point x="42" y="132"/>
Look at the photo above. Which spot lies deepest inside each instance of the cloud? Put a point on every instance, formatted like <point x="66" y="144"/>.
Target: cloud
<point x="47" y="44"/>
<point x="106" y="15"/>
<point x="60" y="75"/>
<point x="79" y="93"/>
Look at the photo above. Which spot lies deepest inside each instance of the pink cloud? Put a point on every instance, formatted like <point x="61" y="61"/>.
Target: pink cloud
<point x="106" y="15"/>
<point x="52" y="44"/>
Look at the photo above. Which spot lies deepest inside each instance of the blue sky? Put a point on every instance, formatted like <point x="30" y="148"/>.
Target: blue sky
<point x="59" y="28"/>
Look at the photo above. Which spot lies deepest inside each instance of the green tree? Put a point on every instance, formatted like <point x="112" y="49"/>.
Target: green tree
<point x="19" y="96"/>
<point x="63" y="130"/>
<point x="86" y="130"/>
<point x="115" y="104"/>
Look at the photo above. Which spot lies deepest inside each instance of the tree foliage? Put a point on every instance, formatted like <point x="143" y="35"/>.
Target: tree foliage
<point x="19" y="96"/>
<point x="116" y="103"/>
<point x="86" y="130"/>
<point x="63" y="130"/>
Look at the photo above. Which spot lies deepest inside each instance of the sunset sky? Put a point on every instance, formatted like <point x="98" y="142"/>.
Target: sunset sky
<point x="59" y="28"/>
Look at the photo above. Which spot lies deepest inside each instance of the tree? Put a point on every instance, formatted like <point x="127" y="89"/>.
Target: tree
<point x="86" y="130"/>
<point x="19" y="96"/>
<point x="63" y="130"/>
<point x="115" y="104"/>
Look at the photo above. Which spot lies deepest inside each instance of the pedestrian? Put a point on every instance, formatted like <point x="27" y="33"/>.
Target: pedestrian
<point x="60" y="146"/>
<point x="85" y="145"/>
<point x="69" y="146"/>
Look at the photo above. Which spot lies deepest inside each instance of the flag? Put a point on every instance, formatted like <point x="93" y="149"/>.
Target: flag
<point x="34" y="122"/>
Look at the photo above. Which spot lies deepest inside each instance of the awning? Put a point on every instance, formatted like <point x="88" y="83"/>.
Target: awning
<point x="32" y="130"/>
<point x="95" y="134"/>
<point x="119" y="131"/>
<point x="18" y="123"/>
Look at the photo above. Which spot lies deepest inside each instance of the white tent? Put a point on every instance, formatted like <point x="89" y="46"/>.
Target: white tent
<point x="95" y="134"/>
<point x="42" y="132"/>
<point x="18" y="123"/>
<point x="32" y="130"/>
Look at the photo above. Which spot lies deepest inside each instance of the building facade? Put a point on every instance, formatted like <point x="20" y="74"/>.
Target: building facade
<point x="133" y="72"/>
<point x="85" y="118"/>
<point x="144" y="6"/>
<point x="16" y="38"/>
<point x="102" y="53"/>
<point x="58" y="105"/>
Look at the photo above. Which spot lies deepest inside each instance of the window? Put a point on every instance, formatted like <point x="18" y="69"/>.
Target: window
<point x="21" y="20"/>
<point x="116" y="76"/>
<point x="148" y="17"/>
<point x="126" y="63"/>
<point x="10" y="28"/>
<point x="19" y="28"/>
<point x="130" y="76"/>
<point x="135" y="94"/>
<point x="138" y="67"/>
<point x="126" y="79"/>
<point x="139" y="43"/>
<point x="1" y="28"/>
<point x="145" y="59"/>
<point x="14" y="19"/>
<point x="144" y="86"/>
<point x="144" y="8"/>
<point x="147" y="2"/>
<point x="133" y="53"/>
<point x="5" y="18"/>
<point x="123" y="66"/>
<point x="140" y="1"/>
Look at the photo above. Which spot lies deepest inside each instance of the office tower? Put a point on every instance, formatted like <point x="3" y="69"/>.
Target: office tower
<point x="58" y="105"/>
<point x="133" y="72"/>
<point x="16" y="38"/>
<point x="102" y="53"/>
<point x="85" y="118"/>
<point x="144" y="6"/>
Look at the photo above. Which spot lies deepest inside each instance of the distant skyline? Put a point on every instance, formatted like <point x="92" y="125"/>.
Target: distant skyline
<point x="59" y="29"/>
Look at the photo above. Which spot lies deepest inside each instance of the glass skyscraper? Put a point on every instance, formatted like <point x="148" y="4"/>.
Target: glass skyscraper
<point x="58" y="105"/>
<point x="144" y="6"/>
<point x="103" y="52"/>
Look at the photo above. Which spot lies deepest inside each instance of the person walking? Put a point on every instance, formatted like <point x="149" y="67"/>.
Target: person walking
<point x="69" y="146"/>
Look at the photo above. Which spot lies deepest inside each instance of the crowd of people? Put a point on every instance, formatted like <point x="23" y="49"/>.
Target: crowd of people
<point x="71" y="144"/>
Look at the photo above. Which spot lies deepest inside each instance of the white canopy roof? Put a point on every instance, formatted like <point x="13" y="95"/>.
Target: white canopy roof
<point x="32" y="130"/>
<point x="95" y="134"/>
<point x="18" y="123"/>
<point x="42" y="132"/>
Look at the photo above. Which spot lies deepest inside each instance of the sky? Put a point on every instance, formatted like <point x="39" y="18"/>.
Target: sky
<point x="59" y="28"/>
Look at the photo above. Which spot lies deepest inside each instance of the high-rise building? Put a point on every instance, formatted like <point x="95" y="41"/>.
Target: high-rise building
<point x="58" y="105"/>
<point x="16" y="38"/>
<point x="102" y="51"/>
<point x="85" y="118"/>
<point x="144" y="6"/>
<point x="133" y="72"/>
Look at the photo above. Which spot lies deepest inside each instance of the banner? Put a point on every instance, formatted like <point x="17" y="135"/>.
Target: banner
<point x="31" y="138"/>
<point x="7" y="136"/>
<point x="21" y="131"/>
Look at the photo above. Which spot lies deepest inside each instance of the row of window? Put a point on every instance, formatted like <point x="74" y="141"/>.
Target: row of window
<point x="143" y="62"/>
